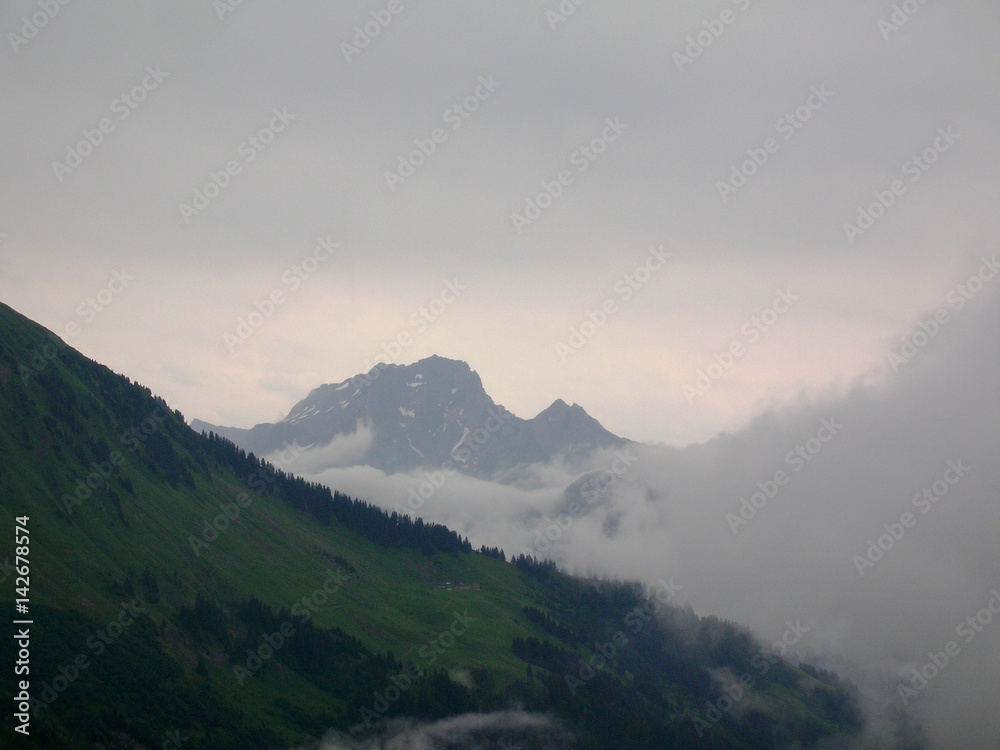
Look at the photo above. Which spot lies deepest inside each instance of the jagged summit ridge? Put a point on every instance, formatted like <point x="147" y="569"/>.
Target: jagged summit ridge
<point x="427" y="413"/>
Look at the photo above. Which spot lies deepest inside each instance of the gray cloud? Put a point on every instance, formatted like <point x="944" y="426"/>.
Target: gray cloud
<point x="504" y="729"/>
<point x="342" y="450"/>
<point x="324" y="174"/>
<point x="833" y="476"/>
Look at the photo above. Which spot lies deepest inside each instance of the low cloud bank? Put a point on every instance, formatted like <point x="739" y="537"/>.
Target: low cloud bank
<point x="506" y="730"/>
<point x="871" y="518"/>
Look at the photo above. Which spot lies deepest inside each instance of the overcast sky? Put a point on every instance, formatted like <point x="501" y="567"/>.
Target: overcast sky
<point x="664" y="118"/>
<point x="233" y="205"/>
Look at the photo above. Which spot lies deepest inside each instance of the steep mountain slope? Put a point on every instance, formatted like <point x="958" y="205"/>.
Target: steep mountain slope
<point x="432" y="412"/>
<point x="185" y="594"/>
<point x="562" y="426"/>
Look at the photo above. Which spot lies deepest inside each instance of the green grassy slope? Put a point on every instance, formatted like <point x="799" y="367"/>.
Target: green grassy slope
<point x="219" y="553"/>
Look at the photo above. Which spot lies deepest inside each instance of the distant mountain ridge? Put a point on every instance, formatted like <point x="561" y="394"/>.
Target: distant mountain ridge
<point x="426" y="414"/>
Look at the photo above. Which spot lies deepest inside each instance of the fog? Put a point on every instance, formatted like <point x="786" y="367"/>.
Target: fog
<point x="507" y="730"/>
<point x="874" y="523"/>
